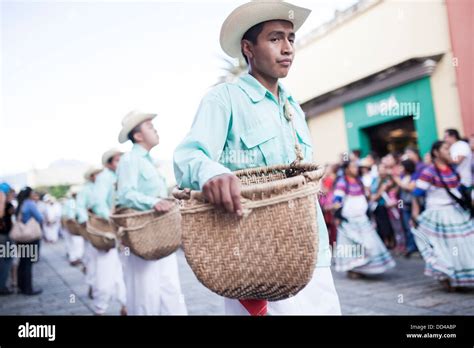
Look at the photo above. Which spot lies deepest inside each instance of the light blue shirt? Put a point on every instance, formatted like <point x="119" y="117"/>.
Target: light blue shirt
<point x="69" y="209"/>
<point x="242" y="125"/>
<point x="104" y="193"/>
<point x="84" y="202"/>
<point x="139" y="184"/>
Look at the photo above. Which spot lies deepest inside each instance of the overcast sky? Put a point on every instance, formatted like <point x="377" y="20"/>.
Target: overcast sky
<point x="71" y="70"/>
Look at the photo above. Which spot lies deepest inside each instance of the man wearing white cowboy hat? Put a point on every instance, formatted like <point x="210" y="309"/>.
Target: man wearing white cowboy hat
<point x="153" y="287"/>
<point x="52" y="215"/>
<point x="74" y="244"/>
<point x="251" y="118"/>
<point x="84" y="201"/>
<point x="109" y="283"/>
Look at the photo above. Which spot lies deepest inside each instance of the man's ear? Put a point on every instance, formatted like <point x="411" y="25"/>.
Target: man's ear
<point x="138" y="136"/>
<point x="247" y="49"/>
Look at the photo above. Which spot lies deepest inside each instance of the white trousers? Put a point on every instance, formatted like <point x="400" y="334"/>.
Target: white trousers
<point x="90" y="261"/>
<point x="51" y="232"/>
<point x="153" y="287"/>
<point x="319" y="297"/>
<point x="109" y="283"/>
<point x="74" y="245"/>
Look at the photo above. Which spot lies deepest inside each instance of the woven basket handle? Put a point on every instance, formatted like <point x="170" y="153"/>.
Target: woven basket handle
<point x="105" y="235"/>
<point x="258" y="190"/>
<point x="121" y="230"/>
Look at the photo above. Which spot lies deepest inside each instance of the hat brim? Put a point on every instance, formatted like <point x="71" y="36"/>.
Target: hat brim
<point x="246" y="16"/>
<point x="123" y="135"/>
<point x="108" y="155"/>
<point x="90" y="173"/>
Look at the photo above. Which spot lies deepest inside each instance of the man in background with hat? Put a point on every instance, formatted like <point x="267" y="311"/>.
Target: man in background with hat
<point x="153" y="287"/>
<point x="251" y="122"/>
<point x="74" y="244"/>
<point x="109" y="283"/>
<point x="84" y="202"/>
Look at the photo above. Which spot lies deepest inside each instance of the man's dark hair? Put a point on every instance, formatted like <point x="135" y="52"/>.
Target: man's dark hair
<point x="453" y="133"/>
<point x="131" y="134"/>
<point x="435" y="147"/>
<point x="252" y="36"/>
<point x="414" y="150"/>
<point x="409" y="166"/>
<point x="109" y="161"/>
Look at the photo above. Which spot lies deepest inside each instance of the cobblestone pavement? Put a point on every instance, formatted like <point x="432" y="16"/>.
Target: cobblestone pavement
<point x="402" y="291"/>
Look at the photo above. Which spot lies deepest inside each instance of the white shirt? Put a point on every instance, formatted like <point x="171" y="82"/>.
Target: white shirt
<point x="461" y="148"/>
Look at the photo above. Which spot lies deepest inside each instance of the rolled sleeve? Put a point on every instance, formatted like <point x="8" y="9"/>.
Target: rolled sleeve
<point x="196" y="158"/>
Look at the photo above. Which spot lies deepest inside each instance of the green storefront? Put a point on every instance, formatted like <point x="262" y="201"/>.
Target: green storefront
<point x="392" y="119"/>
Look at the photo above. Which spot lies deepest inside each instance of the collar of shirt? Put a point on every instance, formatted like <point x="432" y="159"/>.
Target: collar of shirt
<point x="110" y="172"/>
<point x="257" y="92"/>
<point x="141" y="151"/>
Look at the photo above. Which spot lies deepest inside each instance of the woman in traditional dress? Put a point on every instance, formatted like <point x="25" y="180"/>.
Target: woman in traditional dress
<point x="360" y="250"/>
<point x="444" y="232"/>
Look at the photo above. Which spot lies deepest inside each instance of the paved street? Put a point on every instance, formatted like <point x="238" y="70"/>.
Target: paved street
<point x="404" y="290"/>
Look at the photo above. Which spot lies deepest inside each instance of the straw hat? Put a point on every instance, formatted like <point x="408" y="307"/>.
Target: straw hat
<point x="246" y="16"/>
<point x="130" y="121"/>
<point x="109" y="154"/>
<point x="90" y="172"/>
<point x="73" y="190"/>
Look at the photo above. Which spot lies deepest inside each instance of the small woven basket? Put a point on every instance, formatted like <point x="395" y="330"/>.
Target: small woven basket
<point x="270" y="253"/>
<point x="100" y="233"/>
<point x="149" y="234"/>
<point x="74" y="227"/>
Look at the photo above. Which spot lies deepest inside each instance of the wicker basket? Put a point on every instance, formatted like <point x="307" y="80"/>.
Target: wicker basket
<point x="270" y="253"/>
<point x="100" y="233"/>
<point x="149" y="234"/>
<point x="75" y="228"/>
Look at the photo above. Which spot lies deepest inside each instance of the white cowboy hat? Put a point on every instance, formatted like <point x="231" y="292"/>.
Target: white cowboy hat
<point x="130" y="121"/>
<point x="90" y="172"/>
<point x="73" y="190"/>
<point x="247" y="15"/>
<point x="109" y="154"/>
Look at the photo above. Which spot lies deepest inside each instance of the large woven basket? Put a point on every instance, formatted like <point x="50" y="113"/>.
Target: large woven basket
<point x="75" y="228"/>
<point x="270" y="253"/>
<point x="149" y="234"/>
<point x="100" y="233"/>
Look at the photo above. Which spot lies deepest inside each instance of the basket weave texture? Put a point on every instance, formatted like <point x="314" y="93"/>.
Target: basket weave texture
<point x="149" y="234"/>
<point x="100" y="233"/>
<point x="269" y="253"/>
<point x="75" y="228"/>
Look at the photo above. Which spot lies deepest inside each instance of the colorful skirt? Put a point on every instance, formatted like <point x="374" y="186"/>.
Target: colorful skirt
<point x="360" y="249"/>
<point x="445" y="238"/>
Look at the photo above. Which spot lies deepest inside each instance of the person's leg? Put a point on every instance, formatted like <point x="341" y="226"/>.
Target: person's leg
<point x="234" y="307"/>
<point x="5" y="265"/>
<point x="103" y="283"/>
<point x="119" y="291"/>
<point x="411" y="246"/>
<point x="25" y="274"/>
<point x="319" y="297"/>
<point x="172" y="299"/>
<point x="22" y="282"/>
<point x="77" y="249"/>
<point x="142" y="285"/>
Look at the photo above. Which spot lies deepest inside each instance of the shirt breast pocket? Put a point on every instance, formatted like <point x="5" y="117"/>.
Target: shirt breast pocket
<point x="260" y="145"/>
<point x="305" y="142"/>
<point x="148" y="176"/>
